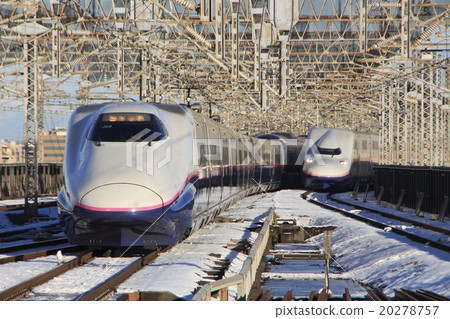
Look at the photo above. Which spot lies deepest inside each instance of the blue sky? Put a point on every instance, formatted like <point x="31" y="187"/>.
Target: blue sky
<point x="12" y="124"/>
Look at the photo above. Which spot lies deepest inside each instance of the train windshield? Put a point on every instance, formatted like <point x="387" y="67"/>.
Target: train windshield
<point x="125" y="127"/>
<point x="329" y="151"/>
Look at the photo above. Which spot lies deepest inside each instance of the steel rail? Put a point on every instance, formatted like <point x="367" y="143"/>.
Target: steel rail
<point x="108" y="287"/>
<point x="20" y="290"/>
<point x="50" y="242"/>
<point x="40" y="253"/>
<point x="380" y="225"/>
<point x="247" y="275"/>
<point x="392" y="216"/>
<point x="8" y="208"/>
<point x="31" y="227"/>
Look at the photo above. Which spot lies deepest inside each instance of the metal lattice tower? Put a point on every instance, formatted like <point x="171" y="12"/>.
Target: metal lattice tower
<point x="31" y="127"/>
<point x="263" y="65"/>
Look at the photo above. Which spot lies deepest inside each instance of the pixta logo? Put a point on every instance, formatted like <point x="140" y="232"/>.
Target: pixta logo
<point x="146" y="152"/>
<point x="247" y="151"/>
<point x="230" y="151"/>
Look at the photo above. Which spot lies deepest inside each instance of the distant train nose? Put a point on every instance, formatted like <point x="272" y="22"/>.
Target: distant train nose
<point x="118" y="202"/>
<point x="328" y="168"/>
<point x="324" y="176"/>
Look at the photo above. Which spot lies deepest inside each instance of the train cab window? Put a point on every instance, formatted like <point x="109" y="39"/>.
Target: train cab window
<point x="329" y="151"/>
<point x="123" y="127"/>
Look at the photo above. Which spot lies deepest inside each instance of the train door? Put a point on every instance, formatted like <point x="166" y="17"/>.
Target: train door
<point x="267" y="168"/>
<point x="208" y="163"/>
<point x="221" y="165"/>
<point x="216" y="172"/>
<point x="375" y="158"/>
<point x="258" y="164"/>
<point x="252" y="166"/>
<point x="247" y="162"/>
<point x="278" y="163"/>
<point x="227" y="180"/>
<point x="274" y="168"/>
<point x="202" y="162"/>
<point x="239" y="165"/>
<point x="356" y="156"/>
<point x="365" y="156"/>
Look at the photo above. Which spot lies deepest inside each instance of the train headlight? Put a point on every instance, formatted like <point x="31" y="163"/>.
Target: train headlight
<point x="344" y="162"/>
<point x="309" y="160"/>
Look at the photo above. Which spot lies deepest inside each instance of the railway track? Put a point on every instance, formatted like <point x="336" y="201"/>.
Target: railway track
<point x="15" y="257"/>
<point x="355" y="213"/>
<point x="43" y="226"/>
<point x="83" y="262"/>
<point x="411" y="221"/>
<point x="298" y="267"/>
<point x="373" y="294"/>
<point x="196" y="261"/>
<point x="18" y="291"/>
<point x="20" y="206"/>
<point x="95" y="277"/>
<point x="29" y="245"/>
<point x="299" y="270"/>
<point x="108" y="287"/>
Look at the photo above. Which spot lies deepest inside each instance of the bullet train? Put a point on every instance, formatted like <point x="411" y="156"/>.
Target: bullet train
<point x="336" y="158"/>
<point x="144" y="174"/>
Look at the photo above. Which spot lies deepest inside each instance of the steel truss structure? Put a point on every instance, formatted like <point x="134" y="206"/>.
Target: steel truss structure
<point x="263" y="66"/>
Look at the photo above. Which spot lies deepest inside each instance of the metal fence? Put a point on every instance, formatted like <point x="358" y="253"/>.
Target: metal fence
<point x="12" y="179"/>
<point x="245" y="279"/>
<point x="418" y="187"/>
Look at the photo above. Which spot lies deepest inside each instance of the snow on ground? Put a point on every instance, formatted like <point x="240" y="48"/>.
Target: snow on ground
<point x="362" y="254"/>
<point x="14" y="273"/>
<point x="47" y="212"/>
<point x="73" y="283"/>
<point x="20" y="201"/>
<point x="389" y="208"/>
<point x="43" y="227"/>
<point x="180" y="270"/>
<point x="371" y="255"/>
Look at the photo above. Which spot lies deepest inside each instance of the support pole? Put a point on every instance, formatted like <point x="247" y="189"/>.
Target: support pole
<point x="31" y="128"/>
<point x="235" y="37"/>
<point x="327" y="242"/>
<point x="143" y="87"/>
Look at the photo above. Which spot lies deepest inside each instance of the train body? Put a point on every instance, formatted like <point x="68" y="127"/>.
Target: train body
<point x="142" y="174"/>
<point x="336" y="158"/>
<point x="295" y="152"/>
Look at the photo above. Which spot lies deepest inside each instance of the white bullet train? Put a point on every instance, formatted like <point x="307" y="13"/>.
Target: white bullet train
<point x="336" y="158"/>
<point x="141" y="174"/>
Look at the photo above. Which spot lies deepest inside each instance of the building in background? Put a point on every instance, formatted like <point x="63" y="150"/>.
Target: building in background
<point x="52" y="145"/>
<point x="12" y="152"/>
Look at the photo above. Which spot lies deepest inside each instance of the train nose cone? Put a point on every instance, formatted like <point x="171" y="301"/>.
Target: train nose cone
<point x="329" y="168"/>
<point x="121" y="197"/>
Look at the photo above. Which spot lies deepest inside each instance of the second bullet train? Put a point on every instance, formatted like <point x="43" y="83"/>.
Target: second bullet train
<point x="142" y="174"/>
<point x="336" y="158"/>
